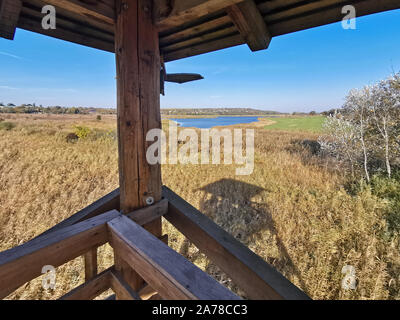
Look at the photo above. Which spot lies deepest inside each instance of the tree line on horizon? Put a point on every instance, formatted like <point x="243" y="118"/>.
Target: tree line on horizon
<point x="33" y="108"/>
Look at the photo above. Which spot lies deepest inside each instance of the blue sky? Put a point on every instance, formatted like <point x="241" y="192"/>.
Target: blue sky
<point x="303" y="71"/>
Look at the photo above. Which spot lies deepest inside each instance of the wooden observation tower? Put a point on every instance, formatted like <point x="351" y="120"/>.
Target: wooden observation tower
<point x="145" y="34"/>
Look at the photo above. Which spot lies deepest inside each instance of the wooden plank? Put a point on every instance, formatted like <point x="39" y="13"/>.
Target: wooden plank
<point x="169" y="273"/>
<point x="90" y="260"/>
<point x="25" y="262"/>
<point x="148" y="214"/>
<point x="81" y="19"/>
<point x="201" y="48"/>
<point x="122" y="288"/>
<point x="279" y="5"/>
<point x="99" y="9"/>
<point x="27" y="23"/>
<point x="328" y="15"/>
<point x="251" y="273"/>
<point x="9" y="15"/>
<point x="198" y="29"/>
<point x="251" y="25"/>
<point x="107" y="203"/>
<point x="205" y="38"/>
<point x="280" y="17"/>
<point x="84" y="27"/>
<point x="183" y="11"/>
<point x="91" y="289"/>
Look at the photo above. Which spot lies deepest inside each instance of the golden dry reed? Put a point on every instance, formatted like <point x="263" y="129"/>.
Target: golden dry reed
<point x="293" y="210"/>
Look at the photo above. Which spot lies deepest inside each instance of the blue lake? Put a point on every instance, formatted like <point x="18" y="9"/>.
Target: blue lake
<point x="206" y="123"/>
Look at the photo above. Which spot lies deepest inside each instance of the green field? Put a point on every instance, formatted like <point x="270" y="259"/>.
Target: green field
<point x="311" y="124"/>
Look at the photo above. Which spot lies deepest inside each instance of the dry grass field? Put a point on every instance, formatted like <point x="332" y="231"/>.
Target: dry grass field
<point x="293" y="211"/>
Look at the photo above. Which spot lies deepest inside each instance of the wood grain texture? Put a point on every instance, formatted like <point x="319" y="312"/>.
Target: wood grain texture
<point x="169" y="273"/>
<point x="138" y="86"/>
<point x="198" y="33"/>
<point x="103" y="10"/>
<point x="138" y="108"/>
<point x="25" y="262"/>
<point x="251" y="25"/>
<point x="148" y="214"/>
<point x="90" y="260"/>
<point x="251" y="273"/>
<point x="9" y="15"/>
<point x="183" y="11"/>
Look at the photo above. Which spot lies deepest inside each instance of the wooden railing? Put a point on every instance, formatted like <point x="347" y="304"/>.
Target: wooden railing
<point x="147" y="255"/>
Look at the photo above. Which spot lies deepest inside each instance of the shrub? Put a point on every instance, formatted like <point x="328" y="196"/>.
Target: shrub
<point x="82" y="132"/>
<point x="71" y="137"/>
<point x="389" y="190"/>
<point x="98" y="118"/>
<point x="7" y="126"/>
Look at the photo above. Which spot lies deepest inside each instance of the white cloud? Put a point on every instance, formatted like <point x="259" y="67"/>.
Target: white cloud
<point x="10" y="55"/>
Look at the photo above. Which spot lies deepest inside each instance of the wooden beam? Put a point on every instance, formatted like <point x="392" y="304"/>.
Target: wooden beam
<point x="214" y="45"/>
<point x="149" y="214"/>
<point x="27" y="23"/>
<point x="251" y="273"/>
<point x="251" y="25"/>
<point x="90" y="260"/>
<point x="326" y="15"/>
<point x="72" y="22"/>
<point x="169" y="273"/>
<point x="9" y="15"/>
<point x="183" y="11"/>
<point x="138" y="84"/>
<point x="91" y="289"/>
<point x="24" y="263"/>
<point x="103" y="10"/>
<point x="122" y="288"/>
<point x="138" y="108"/>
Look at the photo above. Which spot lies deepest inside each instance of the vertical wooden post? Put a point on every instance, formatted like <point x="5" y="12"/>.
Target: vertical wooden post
<point x="90" y="264"/>
<point x="138" y="104"/>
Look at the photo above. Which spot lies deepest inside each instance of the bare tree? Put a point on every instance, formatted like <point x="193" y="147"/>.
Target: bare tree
<point x="385" y="104"/>
<point x="357" y="108"/>
<point x="340" y="140"/>
<point x="366" y="131"/>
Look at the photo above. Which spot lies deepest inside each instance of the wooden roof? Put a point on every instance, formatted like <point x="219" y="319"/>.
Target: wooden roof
<point x="191" y="27"/>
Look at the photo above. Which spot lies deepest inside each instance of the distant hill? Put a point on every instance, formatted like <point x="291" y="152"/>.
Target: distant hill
<point x="216" y="111"/>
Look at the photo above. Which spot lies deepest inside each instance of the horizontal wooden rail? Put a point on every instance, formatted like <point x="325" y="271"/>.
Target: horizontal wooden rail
<point x="24" y="263"/>
<point x="111" y="202"/>
<point x="169" y="273"/>
<point x="249" y="271"/>
<point x="148" y="214"/>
